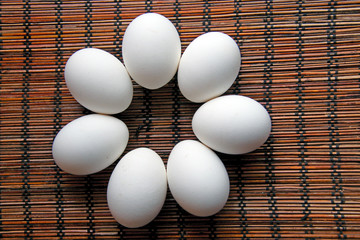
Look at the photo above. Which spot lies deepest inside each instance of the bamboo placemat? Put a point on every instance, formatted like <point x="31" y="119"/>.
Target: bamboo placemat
<point x="300" y="59"/>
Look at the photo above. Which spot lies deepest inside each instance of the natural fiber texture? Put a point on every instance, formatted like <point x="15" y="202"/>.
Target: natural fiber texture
<point x="300" y="59"/>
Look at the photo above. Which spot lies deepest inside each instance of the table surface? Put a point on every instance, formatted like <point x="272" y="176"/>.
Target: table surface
<point x="300" y="60"/>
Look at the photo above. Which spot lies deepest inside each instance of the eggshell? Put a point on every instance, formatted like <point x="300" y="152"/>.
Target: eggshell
<point x="232" y="124"/>
<point x="151" y="50"/>
<point x="98" y="81"/>
<point x="89" y="144"/>
<point x="197" y="178"/>
<point x="208" y="67"/>
<point x="137" y="188"/>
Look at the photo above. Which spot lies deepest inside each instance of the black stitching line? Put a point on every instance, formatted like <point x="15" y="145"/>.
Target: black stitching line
<point x="207" y="18"/>
<point x="271" y="191"/>
<point x="212" y="228"/>
<point x="152" y="231"/>
<point x="88" y="183"/>
<point x="90" y="207"/>
<point x="300" y="123"/>
<point x="269" y="54"/>
<point x="242" y="204"/>
<point x="176" y="94"/>
<point x="118" y="33"/>
<point x="58" y="120"/>
<point x="270" y="176"/>
<point x="181" y="223"/>
<point x="88" y="27"/>
<point x="25" y="131"/>
<point x="148" y="6"/>
<point x="147" y="113"/>
<point x="137" y="132"/>
<point x="1" y="71"/>
<point x="59" y="69"/>
<point x="147" y="123"/>
<point x="237" y="5"/>
<point x="147" y="98"/>
<point x="334" y="135"/>
<point x="118" y="50"/>
<point x="176" y="128"/>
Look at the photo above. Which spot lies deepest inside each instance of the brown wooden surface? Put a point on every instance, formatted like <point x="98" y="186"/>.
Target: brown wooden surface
<point x="301" y="60"/>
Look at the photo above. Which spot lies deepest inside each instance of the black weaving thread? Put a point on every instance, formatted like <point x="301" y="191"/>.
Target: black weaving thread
<point x="242" y="204"/>
<point x="25" y="117"/>
<point x="237" y="5"/>
<point x="334" y="135"/>
<point x="152" y="231"/>
<point x="212" y="228"/>
<point x="88" y="27"/>
<point x="181" y="224"/>
<point x="118" y="50"/>
<point x="88" y="179"/>
<point x="148" y="5"/>
<point x="241" y="198"/>
<point x="176" y="127"/>
<point x="306" y="219"/>
<point x="58" y="117"/>
<point x="147" y="98"/>
<point x="207" y="18"/>
<point x="175" y="89"/>
<point x="147" y="113"/>
<point x="58" y="70"/>
<point x="1" y="72"/>
<point x="206" y="28"/>
<point x="90" y="207"/>
<point x="270" y="176"/>
<point x="117" y="25"/>
<point x="147" y="123"/>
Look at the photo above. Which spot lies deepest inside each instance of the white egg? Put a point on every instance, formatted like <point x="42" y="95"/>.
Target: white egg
<point x="197" y="178"/>
<point x="98" y="81"/>
<point x="151" y="50"/>
<point x="232" y="124"/>
<point x="137" y="188"/>
<point x="89" y="144"/>
<point x="208" y="67"/>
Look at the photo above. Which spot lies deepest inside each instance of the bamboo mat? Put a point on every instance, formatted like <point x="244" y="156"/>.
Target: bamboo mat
<point x="300" y="59"/>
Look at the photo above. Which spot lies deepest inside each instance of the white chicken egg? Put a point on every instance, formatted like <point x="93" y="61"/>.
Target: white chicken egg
<point x="151" y="50"/>
<point x="232" y="124"/>
<point x="208" y="67"/>
<point x="89" y="144"/>
<point x="98" y="81"/>
<point x="137" y="188"/>
<point x="197" y="178"/>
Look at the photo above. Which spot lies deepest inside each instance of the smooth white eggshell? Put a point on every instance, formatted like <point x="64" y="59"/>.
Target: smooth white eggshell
<point x="232" y="124"/>
<point x="151" y="50"/>
<point x="137" y="188"/>
<point x="89" y="144"/>
<point x="208" y="67"/>
<point x="197" y="178"/>
<point x="98" y="81"/>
